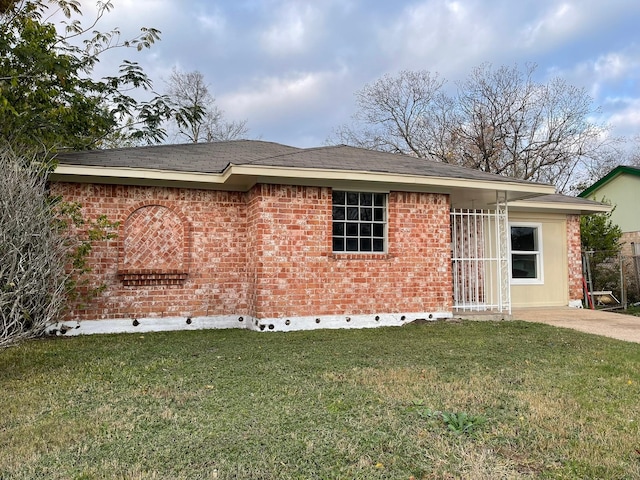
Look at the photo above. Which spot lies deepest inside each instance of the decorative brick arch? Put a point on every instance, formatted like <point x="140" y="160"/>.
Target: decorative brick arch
<point x="154" y="245"/>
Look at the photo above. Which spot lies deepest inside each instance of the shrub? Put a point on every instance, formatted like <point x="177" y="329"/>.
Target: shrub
<point x="42" y="252"/>
<point x="33" y="254"/>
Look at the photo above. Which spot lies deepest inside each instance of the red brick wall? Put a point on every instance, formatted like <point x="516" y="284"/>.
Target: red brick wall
<point x="297" y="275"/>
<point x="265" y="253"/>
<point x="154" y="237"/>
<point x="574" y="252"/>
<point x="291" y="234"/>
<point x="211" y="227"/>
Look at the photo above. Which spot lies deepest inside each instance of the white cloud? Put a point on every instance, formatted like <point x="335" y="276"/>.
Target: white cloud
<point x="626" y="120"/>
<point x="613" y="70"/>
<point x="130" y="15"/>
<point x="212" y="22"/>
<point x="553" y="24"/>
<point x="616" y="65"/>
<point x="444" y="36"/>
<point x="270" y="97"/>
<point x="293" y="31"/>
<point x="579" y="21"/>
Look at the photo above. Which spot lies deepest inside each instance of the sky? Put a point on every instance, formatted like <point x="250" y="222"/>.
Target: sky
<point x="291" y="67"/>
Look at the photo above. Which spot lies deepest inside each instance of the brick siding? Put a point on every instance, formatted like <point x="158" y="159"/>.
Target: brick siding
<point x="574" y="254"/>
<point x="263" y="253"/>
<point x="627" y="239"/>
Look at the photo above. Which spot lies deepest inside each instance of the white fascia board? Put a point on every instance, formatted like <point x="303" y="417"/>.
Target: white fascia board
<point x="243" y="177"/>
<point x="558" y="207"/>
<point x="70" y="172"/>
<point x="331" y="175"/>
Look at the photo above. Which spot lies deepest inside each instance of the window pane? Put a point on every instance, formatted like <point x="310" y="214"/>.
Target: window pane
<point x="352" y="229"/>
<point x="524" y="265"/>
<point x="352" y="213"/>
<point x="524" y="239"/>
<point x="365" y="244"/>
<point x="359" y="221"/>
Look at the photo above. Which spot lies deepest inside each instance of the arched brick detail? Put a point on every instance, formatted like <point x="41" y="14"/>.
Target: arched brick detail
<point x="154" y="245"/>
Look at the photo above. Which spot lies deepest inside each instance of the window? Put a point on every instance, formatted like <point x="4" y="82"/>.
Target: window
<point x="526" y="253"/>
<point x="359" y="222"/>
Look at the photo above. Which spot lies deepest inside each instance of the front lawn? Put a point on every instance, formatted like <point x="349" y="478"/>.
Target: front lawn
<point x="444" y="400"/>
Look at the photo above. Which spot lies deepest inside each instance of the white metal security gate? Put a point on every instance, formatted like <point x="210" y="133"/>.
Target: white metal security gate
<point x="480" y="259"/>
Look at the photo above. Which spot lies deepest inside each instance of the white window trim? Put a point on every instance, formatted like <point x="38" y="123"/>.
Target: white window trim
<point x="385" y="223"/>
<point x="539" y="256"/>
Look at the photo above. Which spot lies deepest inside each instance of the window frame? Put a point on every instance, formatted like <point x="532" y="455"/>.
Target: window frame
<point x="384" y="222"/>
<point x="539" y="279"/>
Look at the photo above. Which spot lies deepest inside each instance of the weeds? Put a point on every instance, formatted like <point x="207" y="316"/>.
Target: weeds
<point x="459" y="423"/>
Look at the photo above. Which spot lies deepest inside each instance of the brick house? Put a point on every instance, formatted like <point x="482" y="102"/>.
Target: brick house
<point x="258" y="235"/>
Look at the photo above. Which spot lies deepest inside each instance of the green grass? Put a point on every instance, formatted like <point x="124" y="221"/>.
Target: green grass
<point x="234" y="404"/>
<point x="632" y="310"/>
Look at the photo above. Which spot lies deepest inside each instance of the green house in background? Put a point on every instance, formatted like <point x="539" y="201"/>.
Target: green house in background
<point x="621" y="187"/>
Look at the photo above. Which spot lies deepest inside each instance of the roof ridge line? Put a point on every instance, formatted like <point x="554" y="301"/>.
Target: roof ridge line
<point x="281" y="155"/>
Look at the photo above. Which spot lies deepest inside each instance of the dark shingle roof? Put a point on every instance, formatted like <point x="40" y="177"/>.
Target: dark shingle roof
<point x="191" y="157"/>
<point x="215" y="157"/>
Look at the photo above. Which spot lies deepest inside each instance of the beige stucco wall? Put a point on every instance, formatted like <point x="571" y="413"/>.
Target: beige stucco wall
<point x="623" y="192"/>
<point x="554" y="291"/>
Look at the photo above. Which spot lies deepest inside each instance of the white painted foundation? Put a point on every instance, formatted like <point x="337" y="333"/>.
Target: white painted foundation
<point x="285" y="324"/>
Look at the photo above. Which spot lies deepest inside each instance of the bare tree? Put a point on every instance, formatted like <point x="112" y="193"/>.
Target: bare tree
<point x="634" y="155"/>
<point x="517" y="127"/>
<point x="395" y="114"/>
<point x="197" y="116"/>
<point x="499" y="121"/>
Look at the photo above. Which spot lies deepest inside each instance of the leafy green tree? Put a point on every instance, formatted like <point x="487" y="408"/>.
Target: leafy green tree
<point x="49" y="101"/>
<point x="599" y="233"/>
<point x="48" y="98"/>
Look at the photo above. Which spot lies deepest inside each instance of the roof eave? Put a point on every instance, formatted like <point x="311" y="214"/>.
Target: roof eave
<point x="557" y="207"/>
<point x="244" y="177"/>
